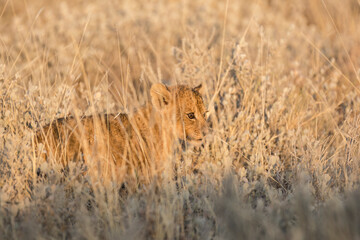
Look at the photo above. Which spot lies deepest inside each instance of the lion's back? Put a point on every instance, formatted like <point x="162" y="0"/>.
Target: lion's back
<point x="66" y="138"/>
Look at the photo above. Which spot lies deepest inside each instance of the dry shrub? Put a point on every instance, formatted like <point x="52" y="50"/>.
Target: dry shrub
<point x="282" y="86"/>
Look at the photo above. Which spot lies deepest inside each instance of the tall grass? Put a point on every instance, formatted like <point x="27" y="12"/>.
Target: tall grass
<point x="282" y="86"/>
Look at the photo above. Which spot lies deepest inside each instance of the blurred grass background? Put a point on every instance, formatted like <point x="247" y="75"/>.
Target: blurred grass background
<point x="282" y="84"/>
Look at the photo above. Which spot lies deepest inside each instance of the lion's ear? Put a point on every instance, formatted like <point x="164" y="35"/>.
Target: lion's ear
<point x="160" y="95"/>
<point x="198" y="89"/>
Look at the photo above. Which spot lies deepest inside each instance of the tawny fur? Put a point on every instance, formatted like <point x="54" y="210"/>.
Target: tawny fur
<point x="116" y="147"/>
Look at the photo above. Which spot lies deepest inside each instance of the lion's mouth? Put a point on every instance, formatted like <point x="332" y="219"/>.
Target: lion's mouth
<point x="190" y="139"/>
<point x="197" y="142"/>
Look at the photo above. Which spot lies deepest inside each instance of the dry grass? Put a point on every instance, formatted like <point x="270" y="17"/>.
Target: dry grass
<point x="282" y="83"/>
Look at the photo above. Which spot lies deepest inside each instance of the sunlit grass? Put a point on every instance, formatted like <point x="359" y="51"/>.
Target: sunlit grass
<point x="282" y="86"/>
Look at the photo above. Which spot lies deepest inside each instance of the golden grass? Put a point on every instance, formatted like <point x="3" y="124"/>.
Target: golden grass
<point x="282" y="85"/>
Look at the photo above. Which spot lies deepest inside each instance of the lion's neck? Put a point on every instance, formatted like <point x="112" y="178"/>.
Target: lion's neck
<point x="155" y="129"/>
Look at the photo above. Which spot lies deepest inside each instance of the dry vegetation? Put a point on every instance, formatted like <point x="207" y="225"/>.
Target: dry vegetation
<point x="282" y="85"/>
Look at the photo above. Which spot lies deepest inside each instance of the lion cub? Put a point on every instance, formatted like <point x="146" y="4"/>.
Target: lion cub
<point x="116" y="147"/>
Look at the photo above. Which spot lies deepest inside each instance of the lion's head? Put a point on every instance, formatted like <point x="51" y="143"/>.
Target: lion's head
<point x="185" y="108"/>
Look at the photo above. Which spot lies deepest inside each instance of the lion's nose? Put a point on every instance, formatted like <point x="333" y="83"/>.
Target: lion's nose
<point x="205" y="130"/>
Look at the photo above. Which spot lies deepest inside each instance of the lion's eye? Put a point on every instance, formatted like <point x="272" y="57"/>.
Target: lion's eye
<point x="191" y="115"/>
